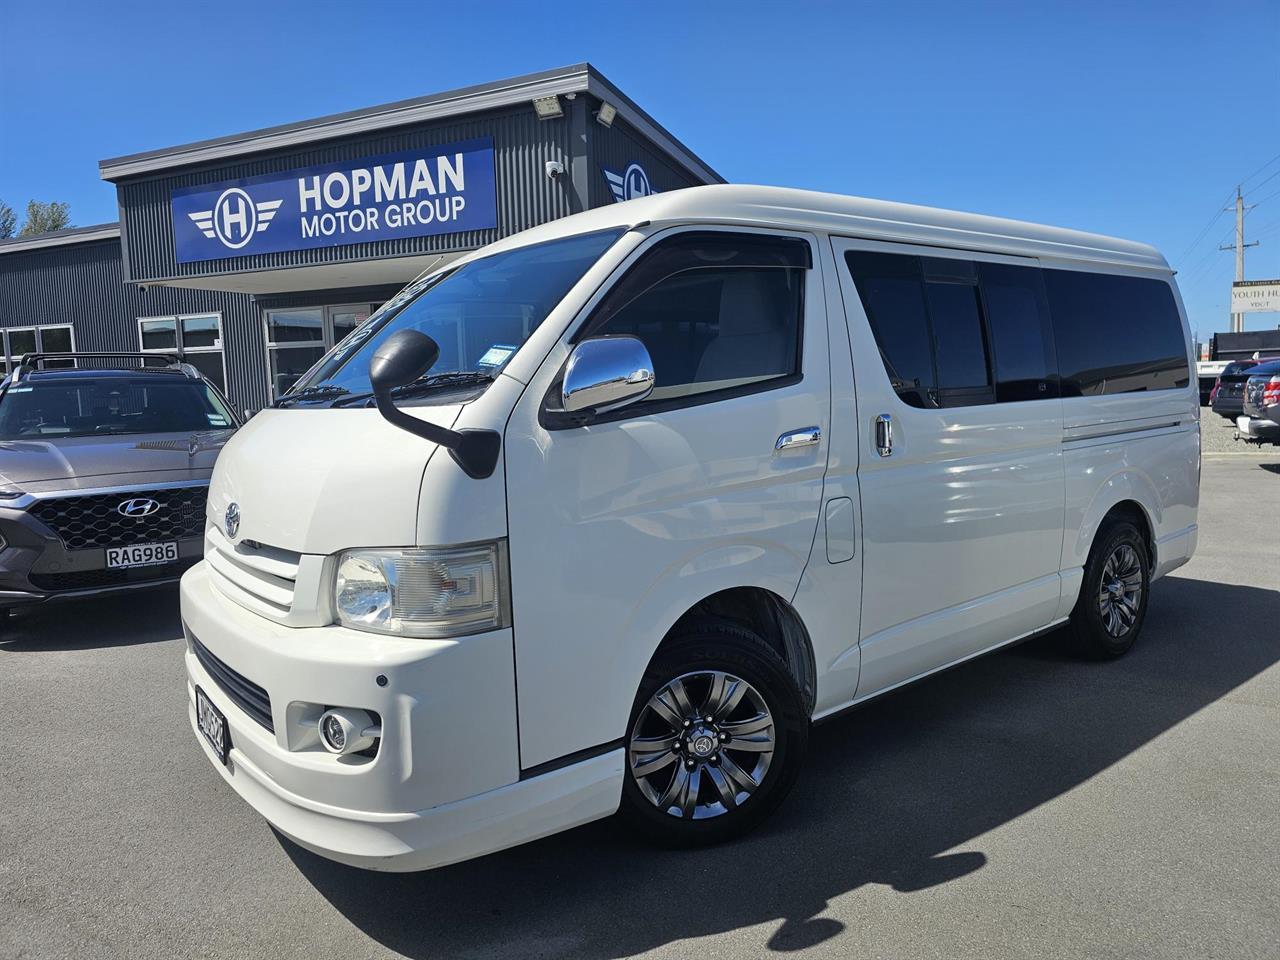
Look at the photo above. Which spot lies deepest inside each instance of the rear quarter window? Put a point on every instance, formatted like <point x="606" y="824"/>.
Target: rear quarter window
<point x="1115" y="334"/>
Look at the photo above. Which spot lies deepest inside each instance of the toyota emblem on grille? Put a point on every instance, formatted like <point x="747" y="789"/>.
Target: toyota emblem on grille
<point x="137" y="508"/>
<point x="231" y="519"/>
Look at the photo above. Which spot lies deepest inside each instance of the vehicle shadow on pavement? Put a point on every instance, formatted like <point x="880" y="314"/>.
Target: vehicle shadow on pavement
<point x="147" y="616"/>
<point x="887" y="795"/>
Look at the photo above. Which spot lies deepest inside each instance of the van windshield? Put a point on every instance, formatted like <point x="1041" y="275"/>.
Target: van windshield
<point x="480" y="314"/>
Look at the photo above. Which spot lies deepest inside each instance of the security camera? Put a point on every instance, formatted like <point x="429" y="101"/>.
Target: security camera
<point x="555" y="169"/>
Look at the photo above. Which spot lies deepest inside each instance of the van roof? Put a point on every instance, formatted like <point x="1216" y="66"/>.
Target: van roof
<point x="736" y="204"/>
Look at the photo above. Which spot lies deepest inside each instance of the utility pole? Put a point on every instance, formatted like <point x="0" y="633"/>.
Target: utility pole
<point x="1237" y="319"/>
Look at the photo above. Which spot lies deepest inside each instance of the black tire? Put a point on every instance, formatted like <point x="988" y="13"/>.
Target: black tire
<point x="1089" y="630"/>
<point x="716" y="646"/>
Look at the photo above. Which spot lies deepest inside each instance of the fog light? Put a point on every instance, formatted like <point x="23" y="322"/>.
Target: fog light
<point x="344" y="731"/>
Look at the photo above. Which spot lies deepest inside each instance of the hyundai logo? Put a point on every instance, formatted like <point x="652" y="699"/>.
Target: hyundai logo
<point x="137" y="508"/>
<point x="231" y="519"/>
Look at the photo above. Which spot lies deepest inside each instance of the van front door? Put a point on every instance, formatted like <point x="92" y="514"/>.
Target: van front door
<point x="618" y="527"/>
<point x="960" y="474"/>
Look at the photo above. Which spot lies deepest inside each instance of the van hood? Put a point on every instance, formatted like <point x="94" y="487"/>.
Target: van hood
<point x="82" y="463"/>
<point x="320" y="481"/>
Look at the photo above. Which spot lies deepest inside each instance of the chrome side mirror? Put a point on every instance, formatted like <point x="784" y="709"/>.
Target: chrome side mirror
<point x="606" y="373"/>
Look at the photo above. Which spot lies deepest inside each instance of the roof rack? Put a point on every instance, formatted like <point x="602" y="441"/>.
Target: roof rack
<point x="173" y="361"/>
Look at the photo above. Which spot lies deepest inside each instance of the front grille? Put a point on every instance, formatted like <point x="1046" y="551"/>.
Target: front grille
<point x="246" y="694"/>
<point x="94" y="521"/>
<point x="89" y="579"/>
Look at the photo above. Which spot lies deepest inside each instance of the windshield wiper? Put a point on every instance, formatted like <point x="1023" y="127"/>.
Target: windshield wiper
<point x="320" y="391"/>
<point x="425" y="384"/>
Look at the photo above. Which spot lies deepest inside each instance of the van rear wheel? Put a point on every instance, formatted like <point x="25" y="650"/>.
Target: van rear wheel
<point x="1113" y="596"/>
<point x="717" y="735"/>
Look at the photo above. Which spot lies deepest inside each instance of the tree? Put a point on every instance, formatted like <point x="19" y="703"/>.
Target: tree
<point x="43" y="217"/>
<point x="8" y="220"/>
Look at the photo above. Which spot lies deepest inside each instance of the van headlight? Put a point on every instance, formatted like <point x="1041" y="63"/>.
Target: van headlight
<point x="423" y="592"/>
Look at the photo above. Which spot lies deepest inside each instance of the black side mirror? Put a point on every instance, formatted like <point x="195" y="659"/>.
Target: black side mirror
<point x="401" y="359"/>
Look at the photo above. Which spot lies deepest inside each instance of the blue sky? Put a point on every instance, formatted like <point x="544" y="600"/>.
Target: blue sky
<point x="1130" y="118"/>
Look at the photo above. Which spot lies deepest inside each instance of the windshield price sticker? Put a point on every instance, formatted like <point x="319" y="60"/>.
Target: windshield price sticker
<point x="496" y="355"/>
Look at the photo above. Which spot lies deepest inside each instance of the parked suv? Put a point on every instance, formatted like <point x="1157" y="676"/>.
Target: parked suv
<point x="1227" y="398"/>
<point x="103" y="473"/>
<point x="1259" y="420"/>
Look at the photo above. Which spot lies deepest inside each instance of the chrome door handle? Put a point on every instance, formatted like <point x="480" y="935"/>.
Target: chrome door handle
<point x="807" y="437"/>
<point x="884" y="434"/>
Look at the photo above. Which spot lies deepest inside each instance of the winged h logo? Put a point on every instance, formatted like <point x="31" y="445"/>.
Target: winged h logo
<point x="633" y="183"/>
<point x="235" y="218"/>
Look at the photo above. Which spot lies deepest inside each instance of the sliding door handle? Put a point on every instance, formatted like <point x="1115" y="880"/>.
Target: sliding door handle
<point x="884" y="434"/>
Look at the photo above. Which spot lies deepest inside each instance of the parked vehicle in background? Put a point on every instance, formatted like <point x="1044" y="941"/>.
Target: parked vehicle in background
<point x="1207" y="373"/>
<point x="603" y="515"/>
<point x="1227" y="398"/>
<point x="104" y="473"/>
<point x="1259" y="420"/>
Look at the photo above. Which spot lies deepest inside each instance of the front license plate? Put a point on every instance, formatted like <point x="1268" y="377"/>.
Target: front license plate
<point x="213" y="725"/>
<point x="142" y="555"/>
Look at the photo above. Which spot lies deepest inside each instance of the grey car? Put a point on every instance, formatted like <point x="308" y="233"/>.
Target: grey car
<point x="103" y="474"/>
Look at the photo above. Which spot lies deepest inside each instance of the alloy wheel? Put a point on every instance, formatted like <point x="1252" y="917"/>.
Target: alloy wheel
<point x="1120" y="592"/>
<point x="702" y="744"/>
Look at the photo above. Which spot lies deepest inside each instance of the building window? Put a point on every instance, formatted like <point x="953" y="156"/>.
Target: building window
<point x="56" y="338"/>
<point x="197" y="336"/>
<point x="298" y="338"/>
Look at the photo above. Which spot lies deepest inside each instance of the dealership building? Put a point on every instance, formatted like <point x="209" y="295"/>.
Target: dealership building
<point x="254" y="253"/>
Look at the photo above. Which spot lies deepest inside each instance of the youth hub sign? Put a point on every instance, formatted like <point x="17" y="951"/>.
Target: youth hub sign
<point x="416" y="193"/>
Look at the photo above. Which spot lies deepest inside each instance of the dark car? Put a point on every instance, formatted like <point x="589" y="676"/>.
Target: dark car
<point x="1260" y="420"/>
<point x="1227" y="397"/>
<point x="104" y="474"/>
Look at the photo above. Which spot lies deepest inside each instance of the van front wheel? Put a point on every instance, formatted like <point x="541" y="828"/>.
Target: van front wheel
<point x="717" y="736"/>
<point x="1113" y="596"/>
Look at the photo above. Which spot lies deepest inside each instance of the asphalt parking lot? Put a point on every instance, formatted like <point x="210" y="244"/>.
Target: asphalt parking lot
<point x="1023" y="805"/>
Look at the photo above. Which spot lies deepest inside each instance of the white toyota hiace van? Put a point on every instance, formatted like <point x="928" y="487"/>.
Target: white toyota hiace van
<point x="604" y="515"/>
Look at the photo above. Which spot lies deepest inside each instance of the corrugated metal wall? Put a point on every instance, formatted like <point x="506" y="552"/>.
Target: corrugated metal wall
<point x="620" y="145"/>
<point x="83" y="284"/>
<point x="526" y="196"/>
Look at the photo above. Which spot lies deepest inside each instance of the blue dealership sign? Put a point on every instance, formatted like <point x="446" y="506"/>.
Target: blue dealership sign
<point x="415" y="193"/>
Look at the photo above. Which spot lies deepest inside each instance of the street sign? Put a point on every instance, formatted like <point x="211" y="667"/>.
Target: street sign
<point x="1255" y="296"/>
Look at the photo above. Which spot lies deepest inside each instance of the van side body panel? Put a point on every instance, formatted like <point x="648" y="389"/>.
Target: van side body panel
<point x="1142" y="447"/>
<point x="962" y="523"/>
<point x="618" y="528"/>
<point x="829" y="600"/>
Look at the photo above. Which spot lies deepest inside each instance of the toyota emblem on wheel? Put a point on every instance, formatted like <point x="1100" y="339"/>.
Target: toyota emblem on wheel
<point x="137" y="508"/>
<point x="231" y="519"/>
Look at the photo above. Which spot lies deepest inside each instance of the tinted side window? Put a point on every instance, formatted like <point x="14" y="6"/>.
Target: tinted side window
<point x="715" y="311"/>
<point x="959" y="344"/>
<point x="1115" y="334"/>
<point x="891" y="287"/>
<point x="1022" y="338"/>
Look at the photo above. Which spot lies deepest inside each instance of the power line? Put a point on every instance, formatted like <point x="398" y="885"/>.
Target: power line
<point x="1261" y="182"/>
<point x="1260" y="169"/>
<point x="1222" y="207"/>
<point x="1207" y="227"/>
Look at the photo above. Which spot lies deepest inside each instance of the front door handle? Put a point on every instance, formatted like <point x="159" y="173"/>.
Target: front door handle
<point x="884" y="434"/>
<point x="808" y="437"/>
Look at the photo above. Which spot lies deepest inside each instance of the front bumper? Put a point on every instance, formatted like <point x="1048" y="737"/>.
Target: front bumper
<point x="445" y="782"/>
<point x="37" y="566"/>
